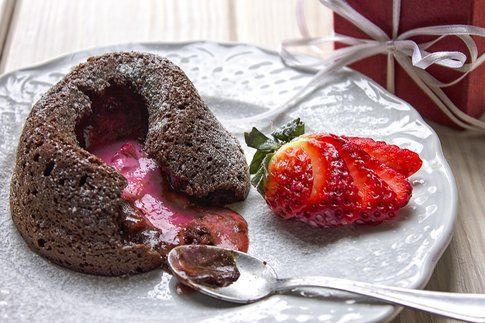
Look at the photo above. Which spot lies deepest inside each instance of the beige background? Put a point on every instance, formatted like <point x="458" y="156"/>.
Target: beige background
<point x="32" y="31"/>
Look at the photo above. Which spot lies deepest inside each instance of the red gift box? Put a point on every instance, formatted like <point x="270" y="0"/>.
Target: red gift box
<point x="468" y="94"/>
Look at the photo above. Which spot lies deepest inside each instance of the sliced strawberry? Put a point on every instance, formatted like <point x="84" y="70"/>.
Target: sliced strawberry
<point x="334" y="199"/>
<point x="326" y="180"/>
<point x="289" y="181"/>
<point x="378" y="199"/>
<point x="396" y="181"/>
<point x="401" y="160"/>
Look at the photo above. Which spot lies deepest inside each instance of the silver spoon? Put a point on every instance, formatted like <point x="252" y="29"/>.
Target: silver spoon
<point x="258" y="280"/>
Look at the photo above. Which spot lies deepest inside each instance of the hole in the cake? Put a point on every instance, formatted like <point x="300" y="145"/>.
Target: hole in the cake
<point x="36" y="157"/>
<point x="117" y="112"/>
<point x="41" y="243"/>
<point x="83" y="180"/>
<point x="62" y="181"/>
<point x="157" y="216"/>
<point x="139" y="270"/>
<point x="48" y="168"/>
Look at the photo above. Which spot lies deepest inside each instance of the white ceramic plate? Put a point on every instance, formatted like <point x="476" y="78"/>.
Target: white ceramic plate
<point x="238" y="79"/>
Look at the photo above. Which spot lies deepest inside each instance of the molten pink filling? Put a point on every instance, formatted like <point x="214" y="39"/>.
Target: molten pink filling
<point x="168" y="211"/>
<point x="155" y="215"/>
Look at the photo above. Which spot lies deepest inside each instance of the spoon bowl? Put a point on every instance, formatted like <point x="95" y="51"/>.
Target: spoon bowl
<point x="256" y="281"/>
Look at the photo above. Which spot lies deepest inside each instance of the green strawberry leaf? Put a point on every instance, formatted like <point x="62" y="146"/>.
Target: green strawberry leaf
<point x="261" y="177"/>
<point x="256" y="139"/>
<point x="256" y="162"/>
<point x="266" y="147"/>
<point x="289" y="131"/>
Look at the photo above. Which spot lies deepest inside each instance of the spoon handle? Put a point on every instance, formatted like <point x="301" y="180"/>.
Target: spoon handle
<point x="466" y="307"/>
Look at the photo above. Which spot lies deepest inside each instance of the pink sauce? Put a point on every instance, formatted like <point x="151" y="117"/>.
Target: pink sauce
<point x="155" y="215"/>
<point x="166" y="210"/>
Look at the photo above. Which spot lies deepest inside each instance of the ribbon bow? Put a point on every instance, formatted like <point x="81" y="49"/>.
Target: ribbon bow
<point x="413" y="58"/>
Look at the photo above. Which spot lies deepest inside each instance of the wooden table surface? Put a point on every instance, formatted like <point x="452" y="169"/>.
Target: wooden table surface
<point x="32" y="31"/>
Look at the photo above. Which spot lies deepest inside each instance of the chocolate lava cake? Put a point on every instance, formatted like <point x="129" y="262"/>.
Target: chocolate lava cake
<point x="95" y="213"/>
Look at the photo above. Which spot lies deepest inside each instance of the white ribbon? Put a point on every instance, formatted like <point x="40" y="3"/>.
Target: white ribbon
<point x="413" y="58"/>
